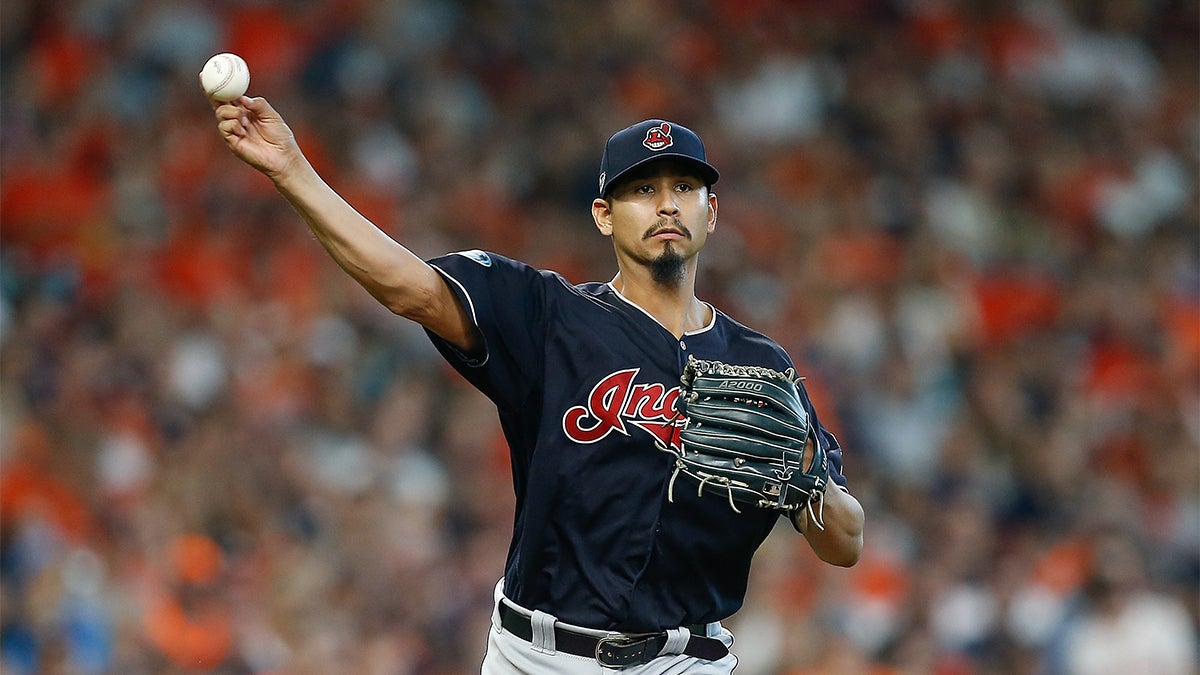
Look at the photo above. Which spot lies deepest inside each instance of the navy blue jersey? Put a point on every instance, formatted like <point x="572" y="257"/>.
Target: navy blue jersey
<point x="585" y="383"/>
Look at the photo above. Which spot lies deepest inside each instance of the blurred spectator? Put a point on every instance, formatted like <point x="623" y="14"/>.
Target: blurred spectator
<point x="1120" y="625"/>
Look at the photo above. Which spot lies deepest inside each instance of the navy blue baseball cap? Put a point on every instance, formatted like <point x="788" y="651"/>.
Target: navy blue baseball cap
<point x="648" y="141"/>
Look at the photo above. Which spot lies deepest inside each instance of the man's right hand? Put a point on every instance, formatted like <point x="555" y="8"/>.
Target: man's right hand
<point x="258" y="135"/>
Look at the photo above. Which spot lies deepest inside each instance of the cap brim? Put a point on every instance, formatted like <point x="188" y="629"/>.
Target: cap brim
<point x="704" y="170"/>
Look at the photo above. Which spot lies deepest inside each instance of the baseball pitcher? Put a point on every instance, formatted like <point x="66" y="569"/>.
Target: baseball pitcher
<point x="655" y="440"/>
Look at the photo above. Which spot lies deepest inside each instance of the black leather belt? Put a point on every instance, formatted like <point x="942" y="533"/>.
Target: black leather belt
<point x="617" y="651"/>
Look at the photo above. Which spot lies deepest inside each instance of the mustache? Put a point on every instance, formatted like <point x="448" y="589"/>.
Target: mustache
<point x="663" y="224"/>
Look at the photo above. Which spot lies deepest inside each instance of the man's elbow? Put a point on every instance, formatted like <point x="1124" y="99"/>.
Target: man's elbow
<point x="842" y="543"/>
<point x="846" y="555"/>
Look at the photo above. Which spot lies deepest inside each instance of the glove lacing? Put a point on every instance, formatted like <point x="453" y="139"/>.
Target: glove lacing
<point x="815" y="516"/>
<point x="818" y="517"/>
<point x="732" y="370"/>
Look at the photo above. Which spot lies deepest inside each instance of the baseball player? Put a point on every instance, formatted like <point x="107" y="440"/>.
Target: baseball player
<point x="614" y="562"/>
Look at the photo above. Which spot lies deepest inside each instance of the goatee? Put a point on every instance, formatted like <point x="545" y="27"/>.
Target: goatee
<point x="667" y="269"/>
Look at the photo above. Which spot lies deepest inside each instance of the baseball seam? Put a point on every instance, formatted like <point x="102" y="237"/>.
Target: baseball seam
<point x="228" y="76"/>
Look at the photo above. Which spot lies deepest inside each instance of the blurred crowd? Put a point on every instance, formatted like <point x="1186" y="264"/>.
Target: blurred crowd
<point x="972" y="223"/>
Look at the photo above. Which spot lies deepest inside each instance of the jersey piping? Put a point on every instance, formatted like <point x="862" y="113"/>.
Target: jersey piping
<point x="474" y="362"/>
<point x="711" y="322"/>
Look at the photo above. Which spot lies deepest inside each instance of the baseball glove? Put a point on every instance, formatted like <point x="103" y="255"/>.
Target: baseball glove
<point x="744" y="435"/>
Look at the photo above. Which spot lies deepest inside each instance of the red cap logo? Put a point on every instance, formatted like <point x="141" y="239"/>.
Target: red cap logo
<point x="659" y="137"/>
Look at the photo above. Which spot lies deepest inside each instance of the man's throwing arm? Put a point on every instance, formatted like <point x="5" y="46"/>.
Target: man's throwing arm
<point x="391" y="273"/>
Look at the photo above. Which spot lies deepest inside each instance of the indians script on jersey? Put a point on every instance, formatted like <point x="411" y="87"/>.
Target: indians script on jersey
<point x="617" y="401"/>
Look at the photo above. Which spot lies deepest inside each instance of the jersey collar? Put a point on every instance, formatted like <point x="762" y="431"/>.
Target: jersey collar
<point x="712" y="311"/>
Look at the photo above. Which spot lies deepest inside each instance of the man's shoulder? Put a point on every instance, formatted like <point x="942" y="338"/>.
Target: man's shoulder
<point x="735" y="327"/>
<point x="484" y="259"/>
<point x="489" y="265"/>
<point x="751" y="344"/>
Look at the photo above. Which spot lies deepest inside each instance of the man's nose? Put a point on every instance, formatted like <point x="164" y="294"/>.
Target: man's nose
<point x="667" y="205"/>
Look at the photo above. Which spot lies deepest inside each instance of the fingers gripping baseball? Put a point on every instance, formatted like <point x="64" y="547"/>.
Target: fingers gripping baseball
<point x="256" y="134"/>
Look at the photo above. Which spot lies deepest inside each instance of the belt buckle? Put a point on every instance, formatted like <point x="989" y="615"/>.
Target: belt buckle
<point x="620" y="651"/>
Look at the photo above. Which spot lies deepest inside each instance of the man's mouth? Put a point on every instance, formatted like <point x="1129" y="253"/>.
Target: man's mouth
<point x="669" y="232"/>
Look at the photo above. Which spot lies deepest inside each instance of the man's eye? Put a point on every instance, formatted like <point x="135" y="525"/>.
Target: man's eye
<point x="684" y="187"/>
<point x="644" y="189"/>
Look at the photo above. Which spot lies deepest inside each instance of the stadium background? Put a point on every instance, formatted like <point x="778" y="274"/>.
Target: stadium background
<point x="973" y="224"/>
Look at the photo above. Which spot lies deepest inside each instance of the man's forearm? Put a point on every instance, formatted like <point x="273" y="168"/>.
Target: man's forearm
<point x="841" y="541"/>
<point x="391" y="273"/>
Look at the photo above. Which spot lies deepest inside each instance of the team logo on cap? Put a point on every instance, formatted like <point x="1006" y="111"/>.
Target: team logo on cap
<point x="659" y="137"/>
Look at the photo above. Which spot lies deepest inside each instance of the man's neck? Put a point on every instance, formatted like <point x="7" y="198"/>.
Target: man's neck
<point x="674" y="306"/>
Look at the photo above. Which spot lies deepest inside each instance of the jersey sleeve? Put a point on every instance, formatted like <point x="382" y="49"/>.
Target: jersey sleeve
<point x="825" y="437"/>
<point x="833" y="449"/>
<point x="506" y="300"/>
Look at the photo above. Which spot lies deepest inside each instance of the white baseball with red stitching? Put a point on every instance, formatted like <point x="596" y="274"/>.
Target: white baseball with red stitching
<point x="225" y="77"/>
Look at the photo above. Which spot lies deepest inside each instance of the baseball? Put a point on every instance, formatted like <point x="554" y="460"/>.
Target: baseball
<point x="225" y="77"/>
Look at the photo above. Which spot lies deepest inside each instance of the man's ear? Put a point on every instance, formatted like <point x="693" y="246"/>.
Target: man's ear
<point x="602" y="214"/>
<point x="712" y="212"/>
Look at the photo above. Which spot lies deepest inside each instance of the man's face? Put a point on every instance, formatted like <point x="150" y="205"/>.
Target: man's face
<point x="659" y="218"/>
